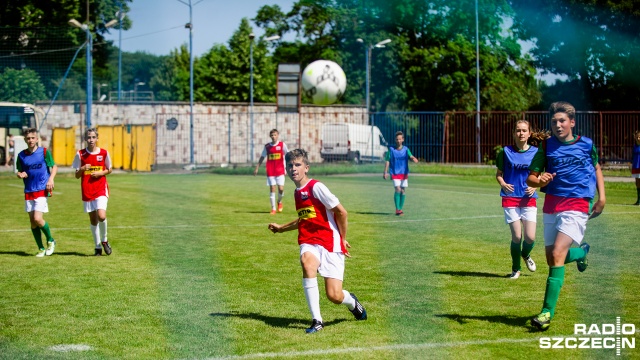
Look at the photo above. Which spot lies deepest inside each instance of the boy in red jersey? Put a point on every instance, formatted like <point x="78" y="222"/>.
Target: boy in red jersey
<point x="572" y="176"/>
<point x="322" y="230"/>
<point x="92" y="165"/>
<point x="274" y="152"/>
<point x="37" y="170"/>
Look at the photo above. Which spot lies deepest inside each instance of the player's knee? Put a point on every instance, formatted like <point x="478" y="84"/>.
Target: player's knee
<point x="335" y="296"/>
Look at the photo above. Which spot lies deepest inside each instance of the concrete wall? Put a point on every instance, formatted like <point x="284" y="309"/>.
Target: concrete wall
<point x="221" y="130"/>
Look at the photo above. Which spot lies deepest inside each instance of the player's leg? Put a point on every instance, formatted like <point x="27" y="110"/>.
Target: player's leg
<point x="310" y="261"/>
<point x="638" y="191"/>
<point x="102" y="223"/>
<point x="529" y="232"/>
<point x="95" y="230"/>
<point x="35" y="229"/>
<point x="271" y="180"/>
<point x="403" y="188"/>
<point x="280" y="181"/>
<point x="515" y="226"/>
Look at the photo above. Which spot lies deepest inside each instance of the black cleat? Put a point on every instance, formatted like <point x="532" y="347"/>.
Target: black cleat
<point x="358" y="312"/>
<point x="107" y="247"/>
<point x="98" y="252"/>
<point x="315" y="327"/>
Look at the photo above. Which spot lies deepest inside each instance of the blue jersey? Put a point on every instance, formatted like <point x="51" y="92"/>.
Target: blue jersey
<point x="574" y="166"/>
<point x="514" y="165"/>
<point x="35" y="166"/>
<point x="398" y="160"/>
<point x="635" y="163"/>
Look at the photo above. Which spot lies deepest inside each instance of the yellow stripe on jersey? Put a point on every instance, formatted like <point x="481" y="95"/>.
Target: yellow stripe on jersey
<point x="275" y="156"/>
<point x="307" y="213"/>
<point x="93" y="169"/>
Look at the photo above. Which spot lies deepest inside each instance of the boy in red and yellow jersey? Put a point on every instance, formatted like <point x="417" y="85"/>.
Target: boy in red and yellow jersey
<point x="322" y="230"/>
<point x="92" y="165"/>
<point x="274" y="152"/>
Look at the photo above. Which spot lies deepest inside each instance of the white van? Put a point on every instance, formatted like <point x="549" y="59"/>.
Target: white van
<point x="352" y="142"/>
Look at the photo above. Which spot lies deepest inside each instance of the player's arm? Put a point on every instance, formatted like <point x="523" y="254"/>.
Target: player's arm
<point x="411" y="157"/>
<point x="277" y="228"/>
<point x="599" y="205"/>
<point x="537" y="178"/>
<point x="340" y="215"/>
<point x="508" y="188"/>
<point x="255" y="172"/>
<point x="20" y="174"/>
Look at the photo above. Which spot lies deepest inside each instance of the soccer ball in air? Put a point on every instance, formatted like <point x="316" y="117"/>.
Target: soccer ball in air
<point x="324" y="82"/>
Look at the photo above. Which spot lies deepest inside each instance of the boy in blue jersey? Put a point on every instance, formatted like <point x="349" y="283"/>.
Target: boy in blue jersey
<point x="518" y="199"/>
<point x="397" y="165"/>
<point x="37" y="170"/>
<point x="570" y="179"/>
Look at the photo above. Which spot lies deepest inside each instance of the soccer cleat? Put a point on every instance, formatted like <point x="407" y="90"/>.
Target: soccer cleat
<point x="107" y="247"/>
<point x="399" y="213"/>
<point x="531" y="265"/>
<point x="582" y="264"/>
<point x="279" y="207"/>
<point x="41" y="253"/>
<point x="514" y="275"/>
<point x="273" y="211"/>
<point x="51" y="248"/>
<point x="315" y="327"/>
<point x="358" y="312"/>
<point x="542" y="321"/>
<point x="98" y="252"/>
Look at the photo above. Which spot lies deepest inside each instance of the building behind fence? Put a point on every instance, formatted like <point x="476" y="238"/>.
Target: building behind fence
<point x="229" y="134"/>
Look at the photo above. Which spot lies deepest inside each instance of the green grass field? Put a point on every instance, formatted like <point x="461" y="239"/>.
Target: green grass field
<point x="195" y="274"/>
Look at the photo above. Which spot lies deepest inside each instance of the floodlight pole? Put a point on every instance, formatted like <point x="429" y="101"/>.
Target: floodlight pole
<point x="478" y="151"/>
<point x="120" y="16"/>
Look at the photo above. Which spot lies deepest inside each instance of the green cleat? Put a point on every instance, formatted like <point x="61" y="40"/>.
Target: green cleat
<point x="582" y="264"/>
<point x="542" y="321"/>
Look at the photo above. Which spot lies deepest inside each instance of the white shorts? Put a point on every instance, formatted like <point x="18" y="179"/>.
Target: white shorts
<point x="93" y="205"/>
<point x="637" y="176"/>
<point x="275" y="180"/>
<point x="400" y="182"/>
<point x="513" y="214"/>
<point x="331" y="263"/>
<point x="40" y="204"/>
<point x="571" y="223"/>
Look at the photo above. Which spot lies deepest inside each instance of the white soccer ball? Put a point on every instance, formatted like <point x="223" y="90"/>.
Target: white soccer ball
<point x="324" y="82"/>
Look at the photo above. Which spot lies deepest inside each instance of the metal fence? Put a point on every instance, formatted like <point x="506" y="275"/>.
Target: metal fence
<point x="446" y="137"/>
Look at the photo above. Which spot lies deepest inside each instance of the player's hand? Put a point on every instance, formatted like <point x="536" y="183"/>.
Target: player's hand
<point x="384" y="176"/>
<point x="546" y="178"/>
<point x="49" y="186"/>
<point x="530" y="191"/>
<point x="508" y="188"/>
<point x="96" y="175"/>
<point x="275" y="228"/>
<point x="346" y="246"/>
<point x="597" y="209"/>
<point x="22" y="175"/>
<point x="255" y="172"/>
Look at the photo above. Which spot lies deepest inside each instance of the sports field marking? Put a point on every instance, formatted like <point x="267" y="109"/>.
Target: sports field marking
<point x="351" y="350"/>
<point x="70" y="347"/>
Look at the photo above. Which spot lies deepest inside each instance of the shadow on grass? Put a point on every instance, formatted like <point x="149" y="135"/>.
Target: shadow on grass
<point x="17" y="253"/>
<point x="372" y="213"/>
<point x="517" y="321"/>
<point x="470" y="273"/>
<point x="59" y="253"/>
<point x="280" y="322"/>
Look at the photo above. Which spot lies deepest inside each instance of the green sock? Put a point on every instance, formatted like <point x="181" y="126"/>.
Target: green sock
<point x="515" y="256"/>
<point x="401" y="201"/>
<point x="38" y="236"/>
<point x="47" y="232"/>
<point x="526" y="249"/>
<point x="638" y="190"/>
<point x="574" y="254"/>
<point x="552" y="292"/>
<point x="396" y="200"/>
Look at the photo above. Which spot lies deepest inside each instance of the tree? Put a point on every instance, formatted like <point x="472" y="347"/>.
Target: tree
<point x="223" y="74"/>
<point x="594" y="42"/>
<point x="21" y="86"/>
<point x="170" y="80"/>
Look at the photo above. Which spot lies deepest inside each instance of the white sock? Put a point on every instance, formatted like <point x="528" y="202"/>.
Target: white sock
<point x="280" y="196"/>
<point x="272" y="198"/>
<point x="96" y="236"/>
<point x="103" y="230"/>
<point x="312" y="294"/>
<point x="348" y="300"/>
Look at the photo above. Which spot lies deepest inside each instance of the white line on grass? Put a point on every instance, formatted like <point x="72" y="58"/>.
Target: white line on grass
<point x="352" y="350"/>
<point x="70" y="347"/>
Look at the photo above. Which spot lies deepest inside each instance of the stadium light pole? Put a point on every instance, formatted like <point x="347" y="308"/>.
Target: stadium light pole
<point x="478" y="151"/>
<point x="189" y="26"/>
<point x="85" y="27"/>
<point x="120" y="15"/>
<point x="251" y="37"/>
<point x="367" y="59"/>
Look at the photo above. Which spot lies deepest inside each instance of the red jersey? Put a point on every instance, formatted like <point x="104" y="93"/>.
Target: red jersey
<point x="316" y="223"/>
<point x="275" y="158"/>
<point x="93" y="188"/>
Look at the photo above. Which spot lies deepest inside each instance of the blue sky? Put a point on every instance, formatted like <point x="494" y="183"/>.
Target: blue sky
<point x="158" y="25"/>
